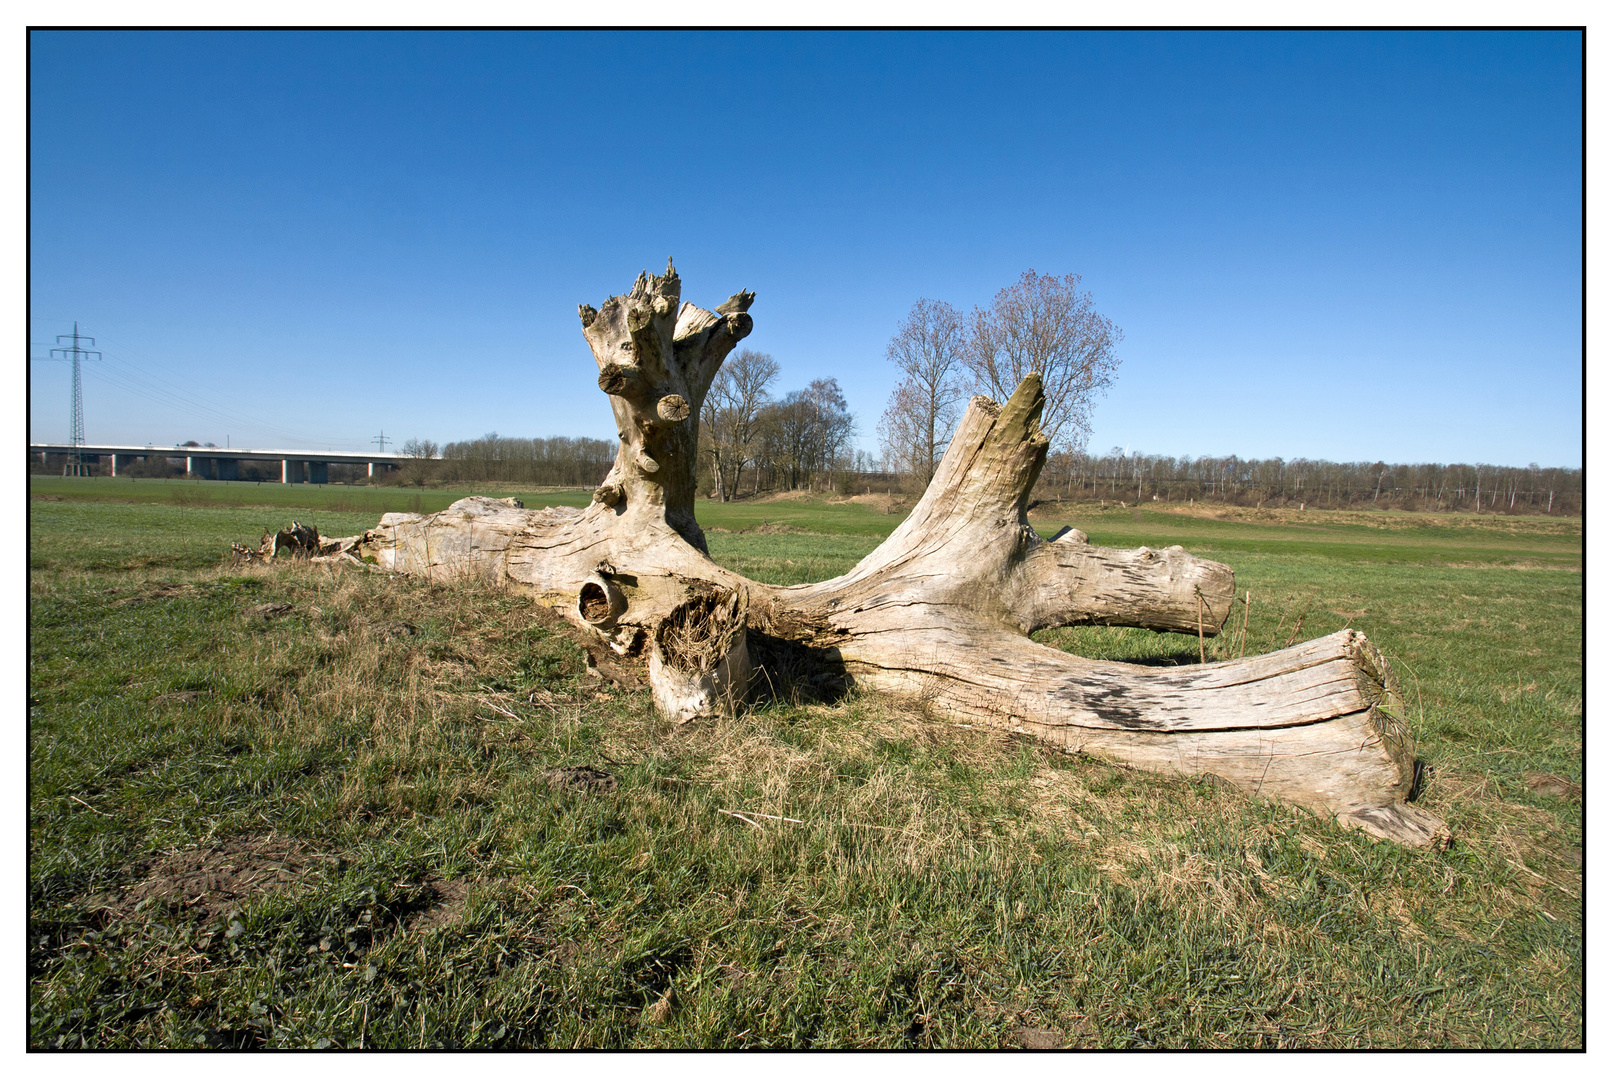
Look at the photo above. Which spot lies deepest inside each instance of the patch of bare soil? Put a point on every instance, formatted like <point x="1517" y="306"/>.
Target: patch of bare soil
<point x="165" y="591"/>
<point x="447" y="906"/>
<point x="1038" y="1039"/>
<point x="1552" y="784"/>
<point x="211" y="881"/>
<point x="767" y="528"/>
<point x="580" y="778"/>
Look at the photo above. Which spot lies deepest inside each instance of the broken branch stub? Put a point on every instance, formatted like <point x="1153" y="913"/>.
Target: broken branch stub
<point x="942" y="609"/>
<point x="698" y="661"/>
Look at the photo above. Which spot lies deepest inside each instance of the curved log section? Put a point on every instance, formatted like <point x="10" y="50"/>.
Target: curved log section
<point x="941" y="609"/>
<point x="968" y="544"/>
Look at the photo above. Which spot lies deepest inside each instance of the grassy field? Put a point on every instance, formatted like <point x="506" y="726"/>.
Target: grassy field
<point x="298" y="806"/>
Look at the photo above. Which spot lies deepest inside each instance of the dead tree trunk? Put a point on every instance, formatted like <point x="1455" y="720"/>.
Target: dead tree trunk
<point x="941" y="610"/>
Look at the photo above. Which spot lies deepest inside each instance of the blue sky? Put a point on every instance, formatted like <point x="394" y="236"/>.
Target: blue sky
<point x="1331" y="245"/>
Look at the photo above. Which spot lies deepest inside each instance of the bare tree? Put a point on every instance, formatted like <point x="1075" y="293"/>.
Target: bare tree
<point x="420" y="467"/>
<point x="928" y="349"/>
<point x="808" y="431"/>
<point x="835" y="424"/>
<point x="1046" y="324"/>
<point x="732" y="414"/>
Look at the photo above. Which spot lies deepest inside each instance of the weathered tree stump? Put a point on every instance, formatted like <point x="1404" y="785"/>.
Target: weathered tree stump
<point x="941" y="610"/>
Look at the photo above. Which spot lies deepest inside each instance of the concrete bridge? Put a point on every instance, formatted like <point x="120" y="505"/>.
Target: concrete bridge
<point x="224" y="462"/>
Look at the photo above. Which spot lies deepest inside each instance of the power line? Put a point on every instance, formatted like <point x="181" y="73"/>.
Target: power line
<point x="76" y="353"/>
<point x="165" y="392"/>
<point x="131" y="380"/>
<point x="125" y="375"/>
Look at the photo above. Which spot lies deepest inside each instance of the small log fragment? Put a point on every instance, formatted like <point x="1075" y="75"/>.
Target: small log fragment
<point x="241" y="555"/>
<point x="299" y="540"/>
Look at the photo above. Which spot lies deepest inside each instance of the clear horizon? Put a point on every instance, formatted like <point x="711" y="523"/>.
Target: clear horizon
<point x="1332" y="245"/>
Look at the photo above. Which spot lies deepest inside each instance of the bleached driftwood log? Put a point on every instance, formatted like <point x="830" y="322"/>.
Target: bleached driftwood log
<point x="941" y="610"/>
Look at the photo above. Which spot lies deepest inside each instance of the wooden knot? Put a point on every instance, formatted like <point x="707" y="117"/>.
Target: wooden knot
<point x="661" y="305"/>
<point x="672" y="408"/>
<point x="647" y="463"/>
<point x="609" y="494"/>
<point x="615" y="378"/>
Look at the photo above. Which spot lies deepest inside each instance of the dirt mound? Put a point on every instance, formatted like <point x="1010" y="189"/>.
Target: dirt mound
<point x="211" y="881"/>
<point x="883" y="501"/>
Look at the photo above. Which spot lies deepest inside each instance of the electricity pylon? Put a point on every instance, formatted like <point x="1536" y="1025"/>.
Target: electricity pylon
<point x="75" y="353"/>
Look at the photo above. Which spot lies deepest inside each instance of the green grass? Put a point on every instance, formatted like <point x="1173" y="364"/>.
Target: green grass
<point x="1357" y="536"/>
<point x="312" y="499"/>
<point x="815" y="516"/>
<point x="946" y="886"/>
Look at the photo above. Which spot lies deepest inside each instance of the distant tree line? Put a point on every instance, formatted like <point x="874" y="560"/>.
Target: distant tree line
<point x="554" y="462"/>
<point x="1121" y="477"/>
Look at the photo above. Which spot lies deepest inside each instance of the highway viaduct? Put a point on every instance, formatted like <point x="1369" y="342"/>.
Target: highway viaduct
<point x="222" y="462"/>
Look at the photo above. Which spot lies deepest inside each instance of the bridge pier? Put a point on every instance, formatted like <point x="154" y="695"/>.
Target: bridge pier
<point x="298" y="471"/>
